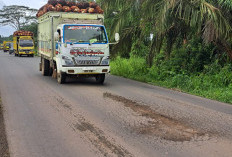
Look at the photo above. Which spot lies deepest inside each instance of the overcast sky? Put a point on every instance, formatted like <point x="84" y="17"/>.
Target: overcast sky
<point x="6" y="31"/>
<point x="30" y="3"/>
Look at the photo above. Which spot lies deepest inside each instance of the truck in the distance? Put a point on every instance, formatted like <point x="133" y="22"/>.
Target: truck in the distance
<point x="23" y="42"/>
<point x="6" y="45"/>
<point x="73" y="44"/>
<point x="1" y="46"/>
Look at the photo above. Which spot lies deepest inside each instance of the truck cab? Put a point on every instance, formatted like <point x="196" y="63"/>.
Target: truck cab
<point x="1" y="46"/>
<point x="82" y="49"/>
<point x="23" y="45"/>
<point x="73" y="44"/>
<point x="6" y="46"/>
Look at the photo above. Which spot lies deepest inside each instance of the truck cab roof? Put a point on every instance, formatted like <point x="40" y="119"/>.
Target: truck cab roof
<point x="61" y="26"/>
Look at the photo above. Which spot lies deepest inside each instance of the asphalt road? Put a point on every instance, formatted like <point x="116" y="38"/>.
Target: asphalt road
<point x="120" y="118"/>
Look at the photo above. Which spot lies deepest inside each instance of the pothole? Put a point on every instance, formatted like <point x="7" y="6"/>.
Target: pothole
<point x="161" y="126"/>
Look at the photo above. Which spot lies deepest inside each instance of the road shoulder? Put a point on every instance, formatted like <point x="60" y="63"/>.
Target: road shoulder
<point x="4" y="150"/>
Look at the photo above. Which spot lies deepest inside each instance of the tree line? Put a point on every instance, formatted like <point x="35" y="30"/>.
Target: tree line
<point x="173" y="22"/>
<point x="180" y="44"/>
<point x="18" y="17"/>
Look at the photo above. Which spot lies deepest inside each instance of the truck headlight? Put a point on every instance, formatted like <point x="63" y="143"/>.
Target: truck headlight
<point x="105" y="61"/>
<point x="67" y="61"/>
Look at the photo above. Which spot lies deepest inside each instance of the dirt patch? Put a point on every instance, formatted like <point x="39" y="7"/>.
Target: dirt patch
<point x="105" y="145"/>
<point x="4" y="150"/>
<point x="160" y="125"/>
<point x="62" y="101"/>
<point x="98" y="139"/>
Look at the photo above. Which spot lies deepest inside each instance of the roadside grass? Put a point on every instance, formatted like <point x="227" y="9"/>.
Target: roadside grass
<point x="4" y="150"/>
<point x="213" y="84"/>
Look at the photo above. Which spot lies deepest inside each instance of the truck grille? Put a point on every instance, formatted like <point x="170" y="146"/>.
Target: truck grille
<point x="26" y="51"/>
<point x="88" y="60"/>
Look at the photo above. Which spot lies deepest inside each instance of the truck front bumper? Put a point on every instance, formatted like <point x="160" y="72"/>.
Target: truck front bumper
<point x="26" y="53"/>
<point x="88" y="70"/>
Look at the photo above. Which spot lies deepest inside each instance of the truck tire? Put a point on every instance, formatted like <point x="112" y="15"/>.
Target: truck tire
<point x="50" y="71"/>
<point x="100" y="78"/>
<point x="45" y="67"/>
<point x="61" y="77"/>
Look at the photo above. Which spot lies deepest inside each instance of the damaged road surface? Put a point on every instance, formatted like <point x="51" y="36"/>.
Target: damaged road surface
<point x="121" y="118"/>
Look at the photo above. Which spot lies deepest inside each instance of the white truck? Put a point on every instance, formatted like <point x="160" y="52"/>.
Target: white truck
<point x="73" y="44"/>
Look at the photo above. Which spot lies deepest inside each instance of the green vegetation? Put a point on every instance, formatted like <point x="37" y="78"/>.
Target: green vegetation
<point x="191" y="49"/>
<point x="212" y="83"/>
<point x="10" y="38"/>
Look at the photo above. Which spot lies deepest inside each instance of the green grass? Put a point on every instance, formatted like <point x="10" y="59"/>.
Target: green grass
<point x="215" y="85"/>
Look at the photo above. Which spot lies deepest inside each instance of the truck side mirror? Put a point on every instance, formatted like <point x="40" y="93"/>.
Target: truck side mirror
<point x="117" y="37"/>
<point x="56" y="36"/>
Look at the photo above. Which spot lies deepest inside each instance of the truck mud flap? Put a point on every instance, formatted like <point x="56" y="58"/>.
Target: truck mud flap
<point x="40" y="66"/>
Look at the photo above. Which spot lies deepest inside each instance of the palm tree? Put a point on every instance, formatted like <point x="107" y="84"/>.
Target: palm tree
<point x="123" y="17"/>
<point x="170" y="19"/>
<point x="181" y="18"/>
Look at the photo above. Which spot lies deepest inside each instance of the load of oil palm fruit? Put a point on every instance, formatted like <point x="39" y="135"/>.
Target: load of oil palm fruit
<point x="69" y="6"/>
<point x="23" y="33"/>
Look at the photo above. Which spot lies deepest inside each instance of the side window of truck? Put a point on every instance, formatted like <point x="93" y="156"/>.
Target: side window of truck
<point x="59" y="35"/>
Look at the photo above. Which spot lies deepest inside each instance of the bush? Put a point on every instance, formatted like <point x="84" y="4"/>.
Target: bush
<point x="213" y="82"/>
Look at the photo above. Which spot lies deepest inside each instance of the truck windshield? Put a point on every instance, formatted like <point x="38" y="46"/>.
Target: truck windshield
<point x="26" y="43"/>
<point x="85" y="34"/>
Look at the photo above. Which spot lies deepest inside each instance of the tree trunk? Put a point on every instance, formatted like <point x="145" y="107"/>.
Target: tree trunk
<point x="155" y="48"/>
<point x="226" y="47"/>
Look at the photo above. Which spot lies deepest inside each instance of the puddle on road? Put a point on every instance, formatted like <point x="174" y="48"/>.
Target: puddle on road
<point x="160" y="126"/>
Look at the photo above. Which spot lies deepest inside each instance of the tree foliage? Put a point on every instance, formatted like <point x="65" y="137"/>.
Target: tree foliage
<point x="10" y="38"/>
<point x="173" y="23"/>
<point x="17" y="16"/>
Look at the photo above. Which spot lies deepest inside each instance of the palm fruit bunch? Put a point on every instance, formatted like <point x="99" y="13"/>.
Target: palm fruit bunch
<point x="70" y="6"/>
<point x="23" y="33"/>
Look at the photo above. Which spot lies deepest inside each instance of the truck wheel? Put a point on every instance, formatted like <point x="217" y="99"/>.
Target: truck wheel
<point x="50" y="71"/>
<point x="45" y="67"/>
<point x="100" y="78"/>
<point x="61" y="77"/>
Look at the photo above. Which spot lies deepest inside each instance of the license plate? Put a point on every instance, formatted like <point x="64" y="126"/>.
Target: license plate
<point x="88" y="69"/>
<point x="87" y="62"/>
